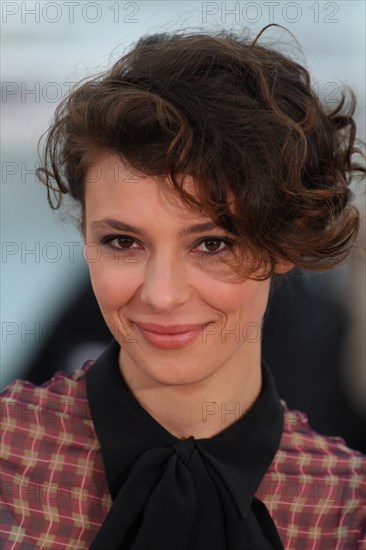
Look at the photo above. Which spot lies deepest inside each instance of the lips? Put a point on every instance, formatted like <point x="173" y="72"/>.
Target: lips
<point x="170" y="329"/>
<point x="170" y="337"/>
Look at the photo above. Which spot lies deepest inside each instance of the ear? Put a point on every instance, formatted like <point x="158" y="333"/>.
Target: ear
<point x="283" y="266"/>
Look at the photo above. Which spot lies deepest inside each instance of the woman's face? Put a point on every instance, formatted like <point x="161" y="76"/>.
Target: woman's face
<point x="159" y="275"/>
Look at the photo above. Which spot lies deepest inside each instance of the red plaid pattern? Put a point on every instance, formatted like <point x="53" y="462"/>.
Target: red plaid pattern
<point x="54" y="493"/>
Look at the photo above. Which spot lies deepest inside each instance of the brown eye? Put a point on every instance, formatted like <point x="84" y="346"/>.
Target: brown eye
<point x="124" y="242"/>
<point x="215" y="245"/>
<point x="120" y="242"/>
<point x="212" y="245"/>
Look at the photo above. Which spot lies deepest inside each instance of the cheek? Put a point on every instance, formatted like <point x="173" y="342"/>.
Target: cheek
<point x="112" y="288"/>
<point x="246" y="300"/>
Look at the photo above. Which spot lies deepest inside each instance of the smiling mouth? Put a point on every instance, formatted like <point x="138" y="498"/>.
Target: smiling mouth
<point x="169" y="329"/>
<point x="169" y="340"/>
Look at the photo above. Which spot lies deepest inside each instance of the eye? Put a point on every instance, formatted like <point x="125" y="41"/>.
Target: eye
<point x="124" y="242"/>
<point x="214" y="246"/>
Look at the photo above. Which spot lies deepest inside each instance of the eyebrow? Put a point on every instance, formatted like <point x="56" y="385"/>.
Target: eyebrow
<point x="122" y="226"/>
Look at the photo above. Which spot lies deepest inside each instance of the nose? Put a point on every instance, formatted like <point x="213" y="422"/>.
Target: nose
<point x="165" y="283"/>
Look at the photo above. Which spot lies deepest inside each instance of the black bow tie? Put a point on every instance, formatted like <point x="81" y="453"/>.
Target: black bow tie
<point x="174" y="494"/>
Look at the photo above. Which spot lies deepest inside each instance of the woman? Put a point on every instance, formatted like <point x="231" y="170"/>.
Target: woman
<point x="205" y="169"/>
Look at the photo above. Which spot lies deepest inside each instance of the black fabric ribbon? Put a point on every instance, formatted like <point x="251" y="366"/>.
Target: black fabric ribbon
<point x="182" y="494"/>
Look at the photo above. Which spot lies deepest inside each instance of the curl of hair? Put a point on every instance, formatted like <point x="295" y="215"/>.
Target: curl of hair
<point x="270" y="163"/>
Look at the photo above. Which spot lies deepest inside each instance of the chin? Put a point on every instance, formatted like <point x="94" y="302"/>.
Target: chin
<point x="173" y="371"/>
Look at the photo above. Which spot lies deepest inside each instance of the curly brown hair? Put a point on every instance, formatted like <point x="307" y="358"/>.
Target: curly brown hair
<point x="270" y="163"/>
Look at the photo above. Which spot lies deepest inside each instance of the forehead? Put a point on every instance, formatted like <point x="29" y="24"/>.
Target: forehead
<point x="112" y="182"/>
<point x="111" y="172"/>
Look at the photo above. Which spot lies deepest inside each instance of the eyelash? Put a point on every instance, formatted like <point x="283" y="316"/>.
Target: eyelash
<point x="230" y="245"/>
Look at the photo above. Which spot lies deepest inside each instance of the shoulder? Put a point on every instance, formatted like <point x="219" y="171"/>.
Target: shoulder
<point x="316" y="488"/>
<point x="63" y="396"/>
<point x="55" y="411"/>
<point x="52" y="476"/>
<point x="302" y="449"/>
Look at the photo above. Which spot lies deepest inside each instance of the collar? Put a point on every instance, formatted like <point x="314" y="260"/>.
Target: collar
<point x="239" y="456"/>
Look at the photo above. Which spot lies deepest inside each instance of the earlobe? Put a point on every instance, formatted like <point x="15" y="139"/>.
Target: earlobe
<point x="283" y="266"/>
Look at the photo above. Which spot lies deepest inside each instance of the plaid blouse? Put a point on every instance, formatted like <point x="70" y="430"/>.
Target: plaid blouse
<point x="54" y="493"/>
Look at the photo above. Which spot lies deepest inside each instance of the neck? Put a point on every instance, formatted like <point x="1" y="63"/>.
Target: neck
<point x="205" y="408"/>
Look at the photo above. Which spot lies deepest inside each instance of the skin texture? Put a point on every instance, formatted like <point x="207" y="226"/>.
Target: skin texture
<point x="167" y="279"/>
